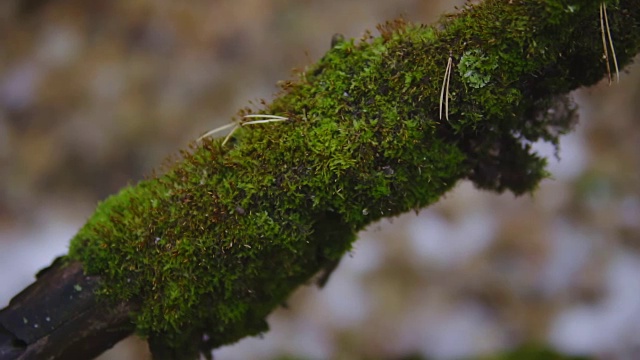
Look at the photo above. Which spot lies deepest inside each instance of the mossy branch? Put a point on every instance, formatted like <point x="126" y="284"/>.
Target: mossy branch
<point x="212" y="246"/>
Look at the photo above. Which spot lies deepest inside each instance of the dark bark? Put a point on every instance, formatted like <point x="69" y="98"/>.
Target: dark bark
<point x="58" y="317"/>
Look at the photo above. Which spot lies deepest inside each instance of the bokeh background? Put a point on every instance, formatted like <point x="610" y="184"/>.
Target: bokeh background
<point x="95" y="94"/>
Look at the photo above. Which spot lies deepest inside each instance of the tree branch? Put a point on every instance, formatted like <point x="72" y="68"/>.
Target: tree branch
<point x="205" y="251"/>
<point x="59" y="317"/>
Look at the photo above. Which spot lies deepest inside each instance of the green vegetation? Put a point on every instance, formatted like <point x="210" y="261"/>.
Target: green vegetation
<point x="532" y="352"/>
<point x="218" y="241"/>
<point x="476" y="68"/>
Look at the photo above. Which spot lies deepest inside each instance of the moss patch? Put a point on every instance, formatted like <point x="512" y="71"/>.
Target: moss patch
<point x="217" y="242"/>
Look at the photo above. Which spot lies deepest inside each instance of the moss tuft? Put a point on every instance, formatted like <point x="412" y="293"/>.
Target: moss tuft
<point x="222" y="238"/>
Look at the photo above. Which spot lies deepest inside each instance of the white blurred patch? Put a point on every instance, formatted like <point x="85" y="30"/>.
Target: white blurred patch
<point x="347" y="303"/>
<point x="610" y="325"/>
<point x="464" y="330"/>
<point x="573" y="156"/>
<point x="295" y="336"/>
<point x="23" y="252"/>
<point x="366" y="256"/>
<point x="569" y="251"/>
<point x="444" y="244"/>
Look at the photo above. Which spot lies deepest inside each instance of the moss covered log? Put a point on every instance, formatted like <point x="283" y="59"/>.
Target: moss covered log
<point x="223" y="236"/>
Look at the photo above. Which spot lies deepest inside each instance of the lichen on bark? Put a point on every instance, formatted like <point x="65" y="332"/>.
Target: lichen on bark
<point x="219" y="240"/>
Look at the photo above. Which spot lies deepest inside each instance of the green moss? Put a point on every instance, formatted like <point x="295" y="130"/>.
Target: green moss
<point x="222" y="238"/>
<point x="475" y="68"/>
<point x="532" y="352"/>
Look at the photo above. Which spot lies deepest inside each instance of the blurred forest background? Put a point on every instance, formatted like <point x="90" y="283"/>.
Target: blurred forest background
<point x="95" y="94"/>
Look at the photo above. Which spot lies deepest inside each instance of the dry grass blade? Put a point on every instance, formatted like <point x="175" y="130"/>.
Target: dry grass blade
<point x="444" y="93"/>
<point x="606" y="37"/>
